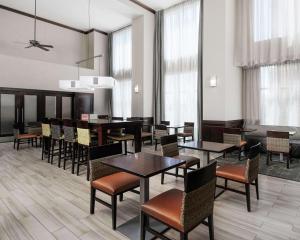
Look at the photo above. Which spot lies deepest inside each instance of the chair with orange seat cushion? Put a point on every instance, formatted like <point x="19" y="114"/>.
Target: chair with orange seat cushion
<point x="234" y="136"/>
<point x="109" y="180"/>
<point x="184" y="210"/>
<point x="246" y="174"/>
<point x="21" y="138"/>
<point x="169" y="148"/>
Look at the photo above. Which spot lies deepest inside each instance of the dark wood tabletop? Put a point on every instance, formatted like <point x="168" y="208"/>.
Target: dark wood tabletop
<point x="144" y="165"/>
<point x="207" y="146"/>
<point x="175" y="126"/>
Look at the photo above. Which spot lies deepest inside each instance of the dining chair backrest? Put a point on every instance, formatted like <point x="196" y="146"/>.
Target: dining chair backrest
<point x="232" y="136"/>
<point x="167" y="123"/>
<point x="278" y="141"/>
<point x="199" y="195"/>
<point x="69" y="131"/>
<point x="97" y="154"/>
<point x="160" y="131"/>
<point x="16" y="130"/>
<point x="56" y="130"/>
<point x="252" y="165"/>
<point x="188" y="127"/>
<point x="83" y="133"/>
<point x="46" y="130"/>
<point x="169" y="145"/>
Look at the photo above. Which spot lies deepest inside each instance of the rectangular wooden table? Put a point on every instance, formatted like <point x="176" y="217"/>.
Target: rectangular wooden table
<point x="131" y="127"/>
<point x="175" y="127"/>
<point x="143" y="165"/>
<point x="207" y="147"/>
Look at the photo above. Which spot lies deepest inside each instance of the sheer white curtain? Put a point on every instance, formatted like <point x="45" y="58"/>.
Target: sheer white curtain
<point x="277" y="90"/>
<point x="121" y="69"/>
<point x="181" y="28"/>
<point x="268" y="31"/>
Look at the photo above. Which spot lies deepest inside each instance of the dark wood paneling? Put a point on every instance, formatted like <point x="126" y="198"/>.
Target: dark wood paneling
<point x="84" y="103"/>
<point x="59" y="106"/>
<point x="50" y="21"/>
<point x="213" y="130"/>
<point x="143" y="6"/>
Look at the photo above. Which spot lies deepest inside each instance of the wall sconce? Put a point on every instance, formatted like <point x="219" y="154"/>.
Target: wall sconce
<point x="213" y="81"/>
<point x="136" y="88"/>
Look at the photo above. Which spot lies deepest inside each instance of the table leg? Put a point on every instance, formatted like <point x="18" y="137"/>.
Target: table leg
<point x="206" y="156"/>
<point x="144" y="197"/>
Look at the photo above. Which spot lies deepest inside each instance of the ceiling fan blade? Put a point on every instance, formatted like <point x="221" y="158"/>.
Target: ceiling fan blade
<point x="41" y="47"/>
<point x="29" y="46"/>
<point x="47" y="46"/>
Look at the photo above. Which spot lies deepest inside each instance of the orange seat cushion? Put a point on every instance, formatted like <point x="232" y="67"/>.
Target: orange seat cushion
<point x="232" y="172"/>
<point x="26" y="136"/>
<point x="116" y="183"/>
<point x="166" y="208"/>
<point x="243" y="143"/>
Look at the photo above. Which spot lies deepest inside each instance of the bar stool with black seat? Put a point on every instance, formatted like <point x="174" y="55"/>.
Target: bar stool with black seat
<point x="108" y="180"/>
<point x="169" y="148"/>
<point x="234" y="136"/>
<point x="22" y="138"/>
<point x="56" y="137"/>
<point x="46" y="139"/>
<point x="184" y="210"/>
<point x="160" y="131"/>
<point x="70" y="143"/>
<point x="278" y="143"/>
<point x="246" y="174"/>
<point x="188" y="131"/>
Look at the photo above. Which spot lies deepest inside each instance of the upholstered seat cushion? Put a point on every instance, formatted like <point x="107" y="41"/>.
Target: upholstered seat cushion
<point x="26" y="136"/>
<point x="126" y="137"/>
<point x="232" y="172"/>
<point x="189" y="161"/>
<point x="146" y="134"/>
<point x="116" y="183"/>
<point x="166" y="207"/>
<point x="243" y="143"/>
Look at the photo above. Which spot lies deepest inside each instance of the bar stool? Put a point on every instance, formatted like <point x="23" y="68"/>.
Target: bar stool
<point x="84" y="143"/>
<point x="46" y="138"/>
<point x="56" y="136"/>
<point x="70" y="143"/>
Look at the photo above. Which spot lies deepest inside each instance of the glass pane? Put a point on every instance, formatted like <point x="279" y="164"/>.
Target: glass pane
<point x="66" y="107"/>
<point x="50" y="107"/>
<point x="30" y="108"/>
<point x="7" y="113"/>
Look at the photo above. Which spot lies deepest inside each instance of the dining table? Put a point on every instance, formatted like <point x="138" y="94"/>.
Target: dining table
<point x="207" y="147"/>
<point x="175" y="127"/>
<point x="145" y="166"/>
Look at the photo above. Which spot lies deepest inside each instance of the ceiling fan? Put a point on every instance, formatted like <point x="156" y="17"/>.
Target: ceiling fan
<point x="34" y="42"/>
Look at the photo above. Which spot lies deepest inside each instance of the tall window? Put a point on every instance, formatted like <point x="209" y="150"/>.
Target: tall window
<point x="122" y="72"/>
<point x="181" y="29"/>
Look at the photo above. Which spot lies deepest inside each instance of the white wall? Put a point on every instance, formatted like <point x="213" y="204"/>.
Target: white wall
<point x="36" y="69"/>
<point x="224" y="101"/>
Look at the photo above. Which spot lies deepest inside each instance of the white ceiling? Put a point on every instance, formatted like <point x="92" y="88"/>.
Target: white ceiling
<point x="160" y="4"/>
<point x="106" y="15"/>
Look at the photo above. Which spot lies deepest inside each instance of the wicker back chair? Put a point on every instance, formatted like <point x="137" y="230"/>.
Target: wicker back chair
<point x="278" y="142"/>
<point x="169" y="148"/>
<point x="234" y="136"/>
<point x="70" y="142"/>
<point x="56" y="136"/>
<point x="109" y="180"/>
<point x="160" y="131"/>
<point x="188" y="131"/>
<point x="246" y="174"/>
<point x="184" y="210"/>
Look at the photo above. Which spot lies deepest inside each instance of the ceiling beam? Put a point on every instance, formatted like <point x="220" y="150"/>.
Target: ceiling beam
<point x="50" y="21"/>
<point x="143" y="6"/>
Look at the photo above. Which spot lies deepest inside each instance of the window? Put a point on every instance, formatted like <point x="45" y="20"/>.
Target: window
<point x="280" y="95"/>
<point x="122" y="68"/>
<point x="181" y="29"/>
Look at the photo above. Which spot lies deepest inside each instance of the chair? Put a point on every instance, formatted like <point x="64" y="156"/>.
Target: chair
<point x="56" y="136"/>
<point x="246" y="174"/>
<point x="70" y="143"/>
<point x="21" y="138"/>
<point x="46" y="139"/>
<point x="278" y="142"/>
<point x="84" y="140"/>
<point x="234" y="136"/>
<point x="188" y="131"/>
<point x="184" y="210"/>
<point x="160" y="131"/>
<point x="108" y="180"/>
<point x="166" y="123"/>
<point x="35" y="128"/>
<point x="169" y="148"/>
